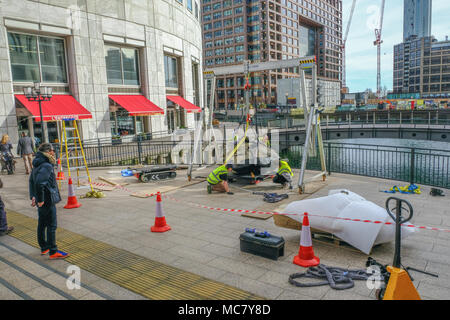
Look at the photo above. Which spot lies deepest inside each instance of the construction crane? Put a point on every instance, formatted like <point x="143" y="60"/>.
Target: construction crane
<point x="378" y="43"/>
<point x="344" y="41"/>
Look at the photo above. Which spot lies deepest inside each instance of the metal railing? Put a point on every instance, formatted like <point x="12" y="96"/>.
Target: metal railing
<point x="413" y="165"/>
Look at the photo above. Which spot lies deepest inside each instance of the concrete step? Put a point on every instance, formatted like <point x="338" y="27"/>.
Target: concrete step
<point x="26" y="275"/>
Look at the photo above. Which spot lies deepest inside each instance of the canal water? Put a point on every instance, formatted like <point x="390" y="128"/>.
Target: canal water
<point x="417" y="161"/>
<point x="405" y="143"/>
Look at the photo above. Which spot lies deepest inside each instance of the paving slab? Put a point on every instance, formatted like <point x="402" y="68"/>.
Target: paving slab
<point x="206" y="242"/>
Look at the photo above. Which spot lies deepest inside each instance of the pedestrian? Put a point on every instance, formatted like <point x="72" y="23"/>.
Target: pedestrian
<point x="25" y="148"/>
<point x="6" y="154"/>
<point x="218" y="179"/>
<point x="45" y="195"/>
<point x="4" y="229"/>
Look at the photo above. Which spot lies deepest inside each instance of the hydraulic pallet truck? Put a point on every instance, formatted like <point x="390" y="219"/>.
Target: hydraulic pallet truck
<point x="398" y="282"/>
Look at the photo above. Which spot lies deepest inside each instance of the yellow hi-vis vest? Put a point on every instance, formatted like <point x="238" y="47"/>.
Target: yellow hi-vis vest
<point x="214" y="177"/>
<point x="285" y="168"/>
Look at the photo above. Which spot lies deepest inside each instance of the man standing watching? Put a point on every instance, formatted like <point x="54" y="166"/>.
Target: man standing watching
<point x="44" y="194"/>
<point x="217" y="180"/>
<point x="4" y="229"/>
<point x="25" y="148"/>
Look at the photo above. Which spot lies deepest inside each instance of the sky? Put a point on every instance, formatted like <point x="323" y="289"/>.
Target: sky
<point x="362" y="54"/>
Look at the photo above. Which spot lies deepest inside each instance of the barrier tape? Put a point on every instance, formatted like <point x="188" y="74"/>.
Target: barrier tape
<point x="236" y="211"/>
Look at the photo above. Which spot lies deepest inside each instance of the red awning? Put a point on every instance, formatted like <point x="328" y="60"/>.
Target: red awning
<point x="189" y="107"/>
<point x="60" y="107"/>
<point x="137" y="105"/>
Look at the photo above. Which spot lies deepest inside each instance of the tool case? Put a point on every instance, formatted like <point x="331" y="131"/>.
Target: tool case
<point x="262" y="244"/>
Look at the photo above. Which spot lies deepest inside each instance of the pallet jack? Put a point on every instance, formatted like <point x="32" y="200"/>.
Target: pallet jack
<point x="398" y="282"/>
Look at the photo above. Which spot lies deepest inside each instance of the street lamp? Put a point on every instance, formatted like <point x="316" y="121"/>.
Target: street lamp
<point x="39" y="94"/>
<point x="287" y="101"/>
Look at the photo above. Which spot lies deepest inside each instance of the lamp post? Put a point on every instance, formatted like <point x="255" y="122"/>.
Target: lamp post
<point x="39" y="94"/>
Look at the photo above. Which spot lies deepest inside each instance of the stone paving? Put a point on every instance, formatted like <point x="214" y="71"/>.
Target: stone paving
<point x="206" y="242"/>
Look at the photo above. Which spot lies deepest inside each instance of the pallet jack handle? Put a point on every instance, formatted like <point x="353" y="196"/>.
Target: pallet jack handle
<point x="399" y="220"/>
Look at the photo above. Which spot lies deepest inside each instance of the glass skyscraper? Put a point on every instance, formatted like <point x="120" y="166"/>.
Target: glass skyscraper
<point x="416" y="18"/>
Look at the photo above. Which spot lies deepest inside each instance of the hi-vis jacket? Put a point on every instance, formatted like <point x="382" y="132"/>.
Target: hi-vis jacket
<point x="218" y="175"/>
<point x="285" y="170"/>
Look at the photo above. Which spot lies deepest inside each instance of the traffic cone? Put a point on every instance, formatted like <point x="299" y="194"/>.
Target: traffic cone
<point x="72" y="201"/>
<point x="160" y="219"/>
<point x="60" y="175"/>
<point x="305" y="257"/>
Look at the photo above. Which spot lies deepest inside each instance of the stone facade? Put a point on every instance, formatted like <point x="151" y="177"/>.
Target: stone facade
<point x="154" y="27"/>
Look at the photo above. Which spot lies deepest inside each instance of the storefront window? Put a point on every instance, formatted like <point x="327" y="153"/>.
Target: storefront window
<point x="37" y="59"/>
<point x="122" y="65"/>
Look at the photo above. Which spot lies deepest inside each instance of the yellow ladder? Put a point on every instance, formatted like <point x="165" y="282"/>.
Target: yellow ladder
<point x="73" y="149"/>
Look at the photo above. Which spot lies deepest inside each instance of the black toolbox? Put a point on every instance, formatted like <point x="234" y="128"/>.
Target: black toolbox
<point x="262" y="244"/>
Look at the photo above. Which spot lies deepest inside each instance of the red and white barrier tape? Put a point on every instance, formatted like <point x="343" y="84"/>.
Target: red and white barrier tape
<point x="235" y="211"/>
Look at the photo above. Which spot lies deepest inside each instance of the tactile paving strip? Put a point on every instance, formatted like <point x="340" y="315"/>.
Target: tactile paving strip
<point x="141" y="275"/>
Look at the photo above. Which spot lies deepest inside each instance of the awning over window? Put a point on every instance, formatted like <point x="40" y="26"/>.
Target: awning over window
<point x="60" y="107"/>
<point x="189" y="107"/>
<point x="137" y="105"/>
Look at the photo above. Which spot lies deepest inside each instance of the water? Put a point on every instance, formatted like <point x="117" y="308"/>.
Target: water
<point x="395" y="159"/>
<point x="405" y="143"/>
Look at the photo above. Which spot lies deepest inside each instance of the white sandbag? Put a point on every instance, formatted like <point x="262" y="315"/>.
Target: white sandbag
<point x="347" y="204"/>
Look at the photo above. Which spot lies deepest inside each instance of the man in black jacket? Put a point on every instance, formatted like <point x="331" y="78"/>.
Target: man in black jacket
<point x="44" y="194"/>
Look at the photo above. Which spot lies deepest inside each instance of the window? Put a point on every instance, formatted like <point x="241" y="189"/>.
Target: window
<point x="36" y="58"/>
<point x="239" y="39"/>
<point x="122" y="65"/>
<point x="171" y="71"/>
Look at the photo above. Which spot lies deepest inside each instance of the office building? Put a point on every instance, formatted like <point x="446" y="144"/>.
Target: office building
<point x="119" y="67"/>
<point x="417" y="18"/>
<point x="422" y="66"/>
<point x="266" y="30"/>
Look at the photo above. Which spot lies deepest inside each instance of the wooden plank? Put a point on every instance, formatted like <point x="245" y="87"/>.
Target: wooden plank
<point x="113" y="183"/>
<point x="108" y="181"/>
<point x="257" y="216"/>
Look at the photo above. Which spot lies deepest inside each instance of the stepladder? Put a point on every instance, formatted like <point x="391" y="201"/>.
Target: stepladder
<point x="73" y="156"/>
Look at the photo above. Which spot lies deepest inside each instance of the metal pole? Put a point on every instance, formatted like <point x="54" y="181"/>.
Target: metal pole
<point x="44" y="134"/>
<point x="301" y="187"/>
<point x="412" y="166"/>
<point x="398" y="217"/>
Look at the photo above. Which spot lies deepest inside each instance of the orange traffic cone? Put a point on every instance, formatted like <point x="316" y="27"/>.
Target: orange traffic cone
<point x="305" y="257"/>
<point x="72" y="201"/>
<point x="160" y="219"/>
<point x="60" y="175"/>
